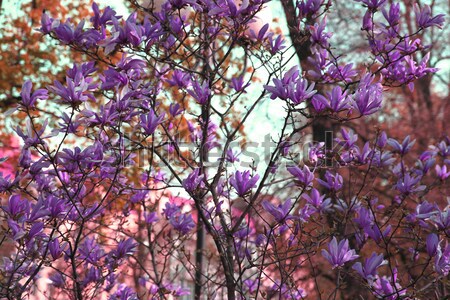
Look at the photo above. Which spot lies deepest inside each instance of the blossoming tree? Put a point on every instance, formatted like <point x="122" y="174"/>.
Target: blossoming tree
<point x="196" y="221"/>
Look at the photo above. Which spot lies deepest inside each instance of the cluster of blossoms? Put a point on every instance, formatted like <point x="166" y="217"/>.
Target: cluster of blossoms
<point x="129" y="213"/>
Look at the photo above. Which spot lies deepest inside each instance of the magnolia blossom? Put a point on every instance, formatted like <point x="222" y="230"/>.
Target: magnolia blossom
<point x="369" y="270"/>
<point x="243" y="182"/>
<point x="338" y="254"/>
<point x="280" y="212"/>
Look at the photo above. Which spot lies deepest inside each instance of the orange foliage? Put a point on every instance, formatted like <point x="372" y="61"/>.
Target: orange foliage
<point x="23" y="51"/>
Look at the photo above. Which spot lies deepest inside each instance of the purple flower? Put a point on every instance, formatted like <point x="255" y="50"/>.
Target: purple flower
<point x="365" y="218"/>
<point x="238" y="84"/>
<point x="182" y="223"/>
<point x="280" y="88"/>
<point x="25" y="158"/>
<point x="6" y="183"/>
<point x="28" y="98"/>
<point x="39" y="166"/>
<point x="319" y="102"/>
<point x="369" y="270"/>
<point x="138" y="196"/>
<point x="193" y="181"/>
<point x="337" y="100"/>
<point x="338" y="254"/>
<point x="150" y="121"/>
<point x="423" y="166"/>
<point x="39" y="211"/>
<point x="110" y="281"/>
<point x="180" y="79"/>
<point x="426" y="155"/>
<point x="375" y="233"/>
<point x="393" y="16"/>
<point x="56" y="206"/>
<point x="67" y="34"/>
<point x="55" y="248"/>
<point x="318" y="34"/>
<point x="133" y="31"/>
<point x="443" y="148"/>
<point x="124" y="248"/>
<point x="408" y="184"/>
<point x="301" y="92"/>
<point x="35" y="233"/>
<point x="382" y="140"/>
<point x="151" y="218"/>
<point x="367" y="21"/>
<point x="261" y="33"/>
<point x="416" y="70"/>
<point x="58" y="279"/>
<point x="341" y="73"/>
<point x="90" y="251"/>
<point x="333" y="182"/>
<point x="251" y="285"/>
<point x="368" y="96"/>
<point x="93" y="274"/>
<point x="442" y="220"/>
<point x="308" y="7"/>
<point x="349" y="138"/>
<point x="17" y="231"/>
<point x="75" y="93"/>
<point x="424" y="18"/>
<point x="285" y="146"/>
<point x="318" y="201"/>
<point x="280" y="212"/>
<point x="242" y="182"/>
<point x="405" y="69"/>
<point x="47" y="24"/>
<point x="442" y="261"/>
<point x="231" y="156"/>
<point x="276" y="44"/>
<point x="171" y="209"/>
<point x="178" y="4"/>
<point x="181" y="291"/>
<point x="152" y="31"/>
<point x="305" y="213"/>
<point x="175" y="109"/>
<point x="200" y="92"/>
<point x="372" y="4"/>
<point x="287" y="292"/>
<point x="106" y="116"/>
<point x="383" y="287"/>
<point x="432" y="244"/>
<point x="304" y="176"/>
<point x="315" y="152"/>
<point x="423" y="211"/>
<point x="225" y="8"/>
<point x="441" y="172"/>
<point x="362" y="156"/>
<point x="112" y="78"/>
<point x="319" y="62"/>
<point x="404" y="147"/>
<point x="17" y="208"/>
<point x="124" y="293"/>
<point x="101" y="20"/>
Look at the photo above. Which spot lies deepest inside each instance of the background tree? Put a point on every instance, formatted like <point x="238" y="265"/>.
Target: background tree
<point x="403" y="110"/>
